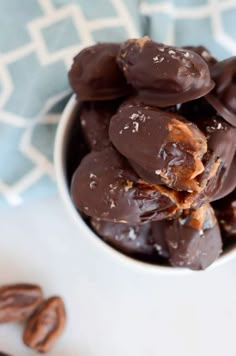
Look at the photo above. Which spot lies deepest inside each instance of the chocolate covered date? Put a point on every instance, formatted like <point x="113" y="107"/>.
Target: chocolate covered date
<point x="95" y="74"/>
<point x="218" y="175"/>
<point x="223" y="96"/>
<point x="163" y="147"/>
<point x="105" y="187"/>
<point x="130" y="239"/>
<point x="164" y="75"/>
<point x="95" y="118"/>
<point x="194" y="239"/>
<point x="222" y="147"/>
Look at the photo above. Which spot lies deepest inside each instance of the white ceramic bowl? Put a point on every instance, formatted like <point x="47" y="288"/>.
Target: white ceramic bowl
<point x="63" y="131"/>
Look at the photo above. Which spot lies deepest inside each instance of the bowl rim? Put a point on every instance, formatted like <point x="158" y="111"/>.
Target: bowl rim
<point x="59" y="163"/>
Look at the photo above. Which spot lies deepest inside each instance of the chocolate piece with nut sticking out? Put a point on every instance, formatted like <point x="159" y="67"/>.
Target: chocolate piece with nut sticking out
<point x="45" y="325"/>
<point x="18" y="301"/>
<point x="95" y="118"/>
<point x="226" y="213"/>
<point x="223" y="96"/>
<point x="194" y="239"/>
<point x="204" y="53"/>
<point x="165" y="145"/>
<point x="129" y="239"/>
<point x="164" y="75"/>
<point x="95" y="74"/>
<point x="105" y="187"/>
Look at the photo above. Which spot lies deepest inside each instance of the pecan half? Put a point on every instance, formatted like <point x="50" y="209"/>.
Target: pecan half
<point x="45" y="325"/>
<point x="18" y="301"/>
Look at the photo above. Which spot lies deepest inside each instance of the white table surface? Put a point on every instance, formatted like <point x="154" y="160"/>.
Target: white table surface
<point x="113" y="310"/>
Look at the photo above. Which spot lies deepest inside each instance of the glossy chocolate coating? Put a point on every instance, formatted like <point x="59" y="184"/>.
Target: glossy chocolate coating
<point x="105" y="187"/>
<point x="159" y="237"/>
<point x="194" y="239"/>
<point x="163" y="144"/>
<point x="164" y="75"/>
<point x="196" y="108"/>
<point x="223" y="96"/>
<point x="204" y="53"/>
<point x="222" y="147"/>
<point x="95" y="118"/>
<point x="130" y="239"/>
<point x="226" y="213"/>
<point x="95" y="74"/>
<point x="228" y="184"/>
<point x="77" y="147"/>
<point x="221" y="142"/>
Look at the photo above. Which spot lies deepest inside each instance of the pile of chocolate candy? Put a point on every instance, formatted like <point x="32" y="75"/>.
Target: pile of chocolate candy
<point x="160" y="124"/>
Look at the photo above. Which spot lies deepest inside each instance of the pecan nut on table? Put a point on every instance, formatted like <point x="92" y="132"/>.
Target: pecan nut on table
<point x="45" y="319"/>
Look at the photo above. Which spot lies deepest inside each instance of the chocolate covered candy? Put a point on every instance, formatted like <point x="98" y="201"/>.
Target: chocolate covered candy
<point x="130" y="239"/>
<point x="164" y="75"/>
<point x="194" y="239"/>
<point x="163" y="147"/>
<point x="95" y="74"/>
<point x="223" y="97"/>
<point x="95" y="118"/>
<point x="218" y="174"/>
<point x="222" y="147"/>
<point x="105" y="187"/>
<point x="226" y="213"/>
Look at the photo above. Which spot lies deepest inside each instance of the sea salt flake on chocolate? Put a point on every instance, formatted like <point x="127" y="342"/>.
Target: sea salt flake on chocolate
<point x="158" y="59"/>
<point x="132" y="235"/>
<point x="158" y="247"/>
<point x="136" y="127"/>
<point x="134" y="116"/>
<point x="173" y="244"/>
<point x="93" y="184"/>
<point x="113" y="205"/>
<point x="187" y="55"/>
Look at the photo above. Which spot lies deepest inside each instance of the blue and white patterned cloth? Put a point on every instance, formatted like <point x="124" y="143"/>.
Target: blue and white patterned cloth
<point x="38" y="39"/>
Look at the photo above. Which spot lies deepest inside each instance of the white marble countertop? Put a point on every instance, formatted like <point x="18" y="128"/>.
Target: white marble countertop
<point x="113" y="310"/>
